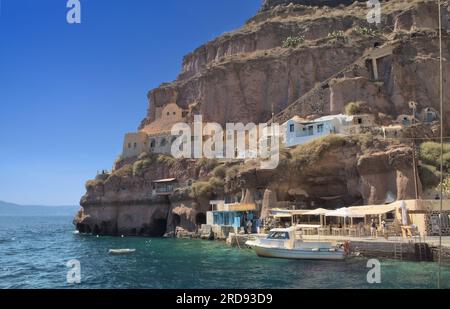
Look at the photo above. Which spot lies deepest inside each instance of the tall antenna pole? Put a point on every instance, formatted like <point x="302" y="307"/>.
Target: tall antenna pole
<point x="441" y="103"/>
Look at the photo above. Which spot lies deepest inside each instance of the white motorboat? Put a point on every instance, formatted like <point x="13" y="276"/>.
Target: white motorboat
<point x="121" y="251"/>
<point x="282" y="243"/>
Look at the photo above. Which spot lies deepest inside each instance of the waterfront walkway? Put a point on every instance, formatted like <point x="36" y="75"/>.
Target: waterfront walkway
<point x="432" y="241"/>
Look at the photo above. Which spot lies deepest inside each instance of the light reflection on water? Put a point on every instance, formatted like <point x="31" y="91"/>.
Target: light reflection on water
<point x="34" y="251"/>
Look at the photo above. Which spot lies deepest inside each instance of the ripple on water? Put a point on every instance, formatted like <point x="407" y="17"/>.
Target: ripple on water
<point x="38" y="256"/>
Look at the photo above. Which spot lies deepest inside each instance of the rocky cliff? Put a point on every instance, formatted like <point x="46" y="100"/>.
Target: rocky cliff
<point x="304" y="58"/>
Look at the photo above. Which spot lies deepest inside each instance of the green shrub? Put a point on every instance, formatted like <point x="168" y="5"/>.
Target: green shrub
<point x="429" y="176"/>
<point x="306" y="154"/>
<point x="232" y="171"/>
<point x="447" y="161"/>
<point x="355" y="108"/>
<point x="445" y="187"/>
<point x="140" y="167"/>
<point x="337" y="35"/>
<point x="165" y="159"/>
<point x="206" y="164"/>
<point x="430" y="153"/>
<point x="367" y="32"/>
<point x="207" y="189"/>
<point x="91" y="184"/>
<point x="293" y="41"/>
<point x="126" y="170"/>
<point x="145" y="155"/>
<point x="220" y="171"/>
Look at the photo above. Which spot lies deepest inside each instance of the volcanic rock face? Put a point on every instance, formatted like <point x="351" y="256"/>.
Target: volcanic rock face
<point x="248" y="74"/>
<point x="271" y="4"/>
<point x="345" y="173"/>
<point x="245" y="75"/>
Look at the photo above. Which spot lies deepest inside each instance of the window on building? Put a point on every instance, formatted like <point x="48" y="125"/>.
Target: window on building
<point x="168" y="113"/>
<point x="320" y="128"/>
<point x="174" y="113"/>
<point x="311" y="130"/>
<point x="135" y="145"/>
<point x="129" y="145"/>
<point x="152" y="143"/>
<point x="292" y="128"/>
<point x="163" y="142"/>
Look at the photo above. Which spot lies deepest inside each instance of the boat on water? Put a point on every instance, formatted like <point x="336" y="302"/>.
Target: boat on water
<point x="121" y="251"/>
<point x="283" y="243"/>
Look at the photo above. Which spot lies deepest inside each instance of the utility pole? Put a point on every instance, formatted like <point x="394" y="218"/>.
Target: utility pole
<point x="441" y="104"/>
<point x="413" y="106"/>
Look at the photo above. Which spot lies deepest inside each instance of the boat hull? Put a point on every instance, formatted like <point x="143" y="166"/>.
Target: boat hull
<point x="298" y="254"/>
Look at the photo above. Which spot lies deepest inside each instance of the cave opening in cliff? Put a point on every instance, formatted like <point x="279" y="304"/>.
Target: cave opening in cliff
<point x="157" y="228"/>
<point x="200" y="218"/>
<point x="176" y="220"/>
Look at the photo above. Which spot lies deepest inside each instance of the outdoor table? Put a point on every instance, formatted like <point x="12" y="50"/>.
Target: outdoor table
<point x="309" y="230"/>
<point x="351" y="231"/>
<point x="337" y="231"/>
<point x="323" y="231"/>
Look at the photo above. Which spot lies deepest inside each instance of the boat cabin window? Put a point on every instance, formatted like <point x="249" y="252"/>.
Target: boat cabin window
<point x="278" y="235"/>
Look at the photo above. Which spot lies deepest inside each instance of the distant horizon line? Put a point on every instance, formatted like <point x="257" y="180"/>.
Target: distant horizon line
<point x="37" y="205"/>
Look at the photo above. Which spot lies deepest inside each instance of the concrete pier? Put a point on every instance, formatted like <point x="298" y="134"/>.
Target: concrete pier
<point x="416" y="249"/>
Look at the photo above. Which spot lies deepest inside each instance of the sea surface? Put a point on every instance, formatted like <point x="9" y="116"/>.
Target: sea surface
<point x="34" y="252"/>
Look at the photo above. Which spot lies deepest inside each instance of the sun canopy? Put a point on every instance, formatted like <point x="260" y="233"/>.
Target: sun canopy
<point x="284" y="213"/>
<point x="316" y="212"/>
<point x="372" y="210"/>
<point x="344" y="213"/>
<point x="282" y="216"/>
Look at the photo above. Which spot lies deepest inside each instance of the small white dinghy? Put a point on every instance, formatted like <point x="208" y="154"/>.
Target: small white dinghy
<point x="282" y="243"/>
<point x="121" y="251"/>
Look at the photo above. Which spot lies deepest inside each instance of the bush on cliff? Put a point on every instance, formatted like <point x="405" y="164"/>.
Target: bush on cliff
<point x="429" y="176"/>
<point x="207" y="165"/>
<point x="165" y="160"/>
<point x="430" y="153"/>
<point x="232" y="171"/>
<point x="355" y="108"/>
<point x="91" y="184"/>
<point x="207" y="189"/>
<point x="293" y="41"/>
<point x="220" y="171"/>
<point x="146" y="160"/>
<point x="445" y="187"/>
<point x="139" y="167"/>
<point x="309" y="153"/>
<point x="366" y="32"/>
<point x="337" y="36"/>
<point x="125" y="171"/>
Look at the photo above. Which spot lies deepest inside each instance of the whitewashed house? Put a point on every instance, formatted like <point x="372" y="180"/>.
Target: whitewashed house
<point x="298" y="131"/>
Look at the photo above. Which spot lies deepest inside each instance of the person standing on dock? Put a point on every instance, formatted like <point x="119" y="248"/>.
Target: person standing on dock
<point x="373" y="229"/>
<point x="383" y="229"/>
<point x="249" y="226"/>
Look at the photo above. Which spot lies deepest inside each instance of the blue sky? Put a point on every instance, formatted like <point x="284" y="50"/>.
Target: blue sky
<point x="68" y="93"/>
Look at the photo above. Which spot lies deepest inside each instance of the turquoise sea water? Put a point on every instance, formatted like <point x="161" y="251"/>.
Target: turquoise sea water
<point x="34" y="252"/>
